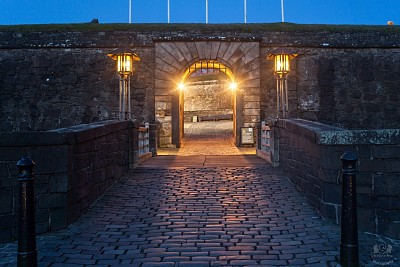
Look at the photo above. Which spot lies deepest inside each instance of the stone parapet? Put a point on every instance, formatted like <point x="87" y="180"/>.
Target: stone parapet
<point x="310" y="152"/>
<point x="112" y="35"/>
<point x="74" y="167"/>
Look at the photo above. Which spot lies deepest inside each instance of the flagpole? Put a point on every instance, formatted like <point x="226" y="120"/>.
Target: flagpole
<point x="245" y="11"/>
<point x="283" y="12"/>
<point x="169" y="17"/>
<point x="130" y="11"/>
<point x="206" y="11"/>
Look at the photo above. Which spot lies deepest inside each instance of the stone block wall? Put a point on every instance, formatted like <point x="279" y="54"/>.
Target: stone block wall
<point x="207" y="98"/>
<point x="51" y="88"/>
<point x="310" y="152"/>
<point x="59" y="76"/>
<point x="344" y="87"/>
<point x="74" y="167"/>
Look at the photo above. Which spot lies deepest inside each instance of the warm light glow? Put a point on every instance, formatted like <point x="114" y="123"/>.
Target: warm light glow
<point x="125" y="60"/>
<point x="282" y="57"/>
<point x="233" y="86"/>
<point x="208" y="64"/>
<point x="181" y="86"/>
<point x="282" y="64"/>
<point x="124" y="64"/>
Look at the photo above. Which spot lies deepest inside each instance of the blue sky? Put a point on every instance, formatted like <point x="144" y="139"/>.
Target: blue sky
<point x="373" y="12"/>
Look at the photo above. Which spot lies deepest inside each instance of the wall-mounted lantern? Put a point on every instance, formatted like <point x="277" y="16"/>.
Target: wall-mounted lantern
<point x="282" y="57"/>
<point x="125" y="59"/>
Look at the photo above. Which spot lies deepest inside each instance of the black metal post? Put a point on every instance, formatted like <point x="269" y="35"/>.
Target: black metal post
<point x="27" y="254"/>
<point x="349" y="230"/>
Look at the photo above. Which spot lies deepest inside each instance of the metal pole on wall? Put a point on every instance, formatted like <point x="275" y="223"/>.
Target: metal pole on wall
<point x="283" y="97"/>
<point x="286" y="106"/>
<point x="206" y="11"/>
<point x="130" y="11"/>
<point x="349" y="230"/>
<point x="278" y="88"/>
<point x="169" y="17"/>
<point x="27" y="254"/>
<point x="123" y="100"/>
<point x="245" y="11"/>
<point x="121" y="97"/>
<point x="128" y="82"/>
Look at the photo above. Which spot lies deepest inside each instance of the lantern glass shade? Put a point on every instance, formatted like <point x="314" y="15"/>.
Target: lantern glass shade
<point x="125" y="60"/>
<point x="282" y="65"/>
<point x="282" y="57"/>
<point x="124" y="64"/>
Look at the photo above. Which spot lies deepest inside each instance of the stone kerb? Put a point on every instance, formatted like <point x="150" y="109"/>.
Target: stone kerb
<point x="74" y="166"/>
<point x="310" y="152"/>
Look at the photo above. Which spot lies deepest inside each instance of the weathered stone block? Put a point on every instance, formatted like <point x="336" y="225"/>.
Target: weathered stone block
<point x="9" y="153"/>
<point x="48" y="201"/>
<point x="41" y="189"/>
<point x="330" y="157"/>
<point x="42" y="216"/>
<point x="50" y="159"/>
<point x="386" y="152"/>
<point x="4" y="170"/>
<point x="328" y="210"/>
<point x="364" y="152"/>
<point x="42" y="228"/>
<point x="58" y="219"/>
<point x="386" y="184"/>
<point x="380" y="165"/>
<point x="9" y="182"/>
<point x="366" y="219"/>
<point x="332" y="193"/>
<point x="5" y="235"/>
<point x="8" y="221"/>
<point x="6" y="201"/>
<point x="58" y="183"/>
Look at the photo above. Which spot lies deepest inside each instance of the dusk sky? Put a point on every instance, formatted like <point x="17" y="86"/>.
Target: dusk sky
<point x="373" y="12"/>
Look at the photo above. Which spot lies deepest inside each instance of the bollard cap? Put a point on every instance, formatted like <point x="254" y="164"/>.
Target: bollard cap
<point x="349" y="156"/>
<point x="25" y="163"/>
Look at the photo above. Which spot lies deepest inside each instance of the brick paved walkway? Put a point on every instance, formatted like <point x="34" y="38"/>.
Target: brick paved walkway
<point x="198" y="217"/>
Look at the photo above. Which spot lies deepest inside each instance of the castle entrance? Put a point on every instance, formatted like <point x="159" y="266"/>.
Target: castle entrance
<point x="214" y="82"/>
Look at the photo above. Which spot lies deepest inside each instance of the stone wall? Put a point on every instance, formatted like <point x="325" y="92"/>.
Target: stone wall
<point x="207" y="99"/>
<point x="345" y="87"/>
<point x="54" y="76"/>
<point x="74" y="167"/>
<point x="45" y="89"/>
<point x="310" y="152"/>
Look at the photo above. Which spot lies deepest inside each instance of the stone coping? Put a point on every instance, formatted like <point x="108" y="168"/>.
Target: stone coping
<point x="97" y="36"/>
<point x="323" y="134"/>
<point x="68" y="136"/>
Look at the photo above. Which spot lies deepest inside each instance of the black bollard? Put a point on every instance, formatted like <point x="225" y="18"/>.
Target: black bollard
<point x="27" y="254"/>
<point x="349" y="229"/>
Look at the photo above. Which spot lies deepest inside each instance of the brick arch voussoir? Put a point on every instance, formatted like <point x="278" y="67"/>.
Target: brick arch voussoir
<point x="178" y="57"/>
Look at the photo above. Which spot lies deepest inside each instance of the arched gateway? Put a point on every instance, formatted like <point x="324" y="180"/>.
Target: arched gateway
<point x="173" y="58"/>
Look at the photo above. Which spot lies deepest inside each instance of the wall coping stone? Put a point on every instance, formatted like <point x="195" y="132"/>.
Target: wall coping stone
<point x="323" y="134"/>
<point x="63" y="136"/>
<point x="307" y="129"/>
<point x="268" y="34"/>
<point x="359" y="137"/>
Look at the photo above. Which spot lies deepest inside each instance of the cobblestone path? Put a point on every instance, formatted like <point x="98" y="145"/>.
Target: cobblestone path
<point x="195" y="217"/>
<point x="208" y="138"/>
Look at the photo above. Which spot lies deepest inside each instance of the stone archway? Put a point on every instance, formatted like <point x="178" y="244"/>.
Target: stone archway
<point x="172" y="60"/>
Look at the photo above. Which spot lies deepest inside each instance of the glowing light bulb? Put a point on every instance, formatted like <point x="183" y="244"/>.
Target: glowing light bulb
<point x="233" y="86"/>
